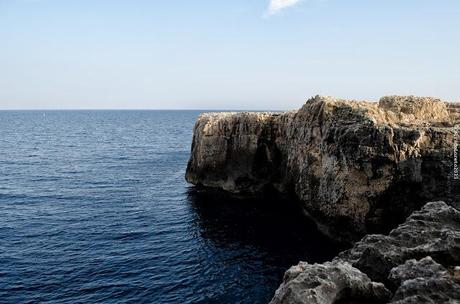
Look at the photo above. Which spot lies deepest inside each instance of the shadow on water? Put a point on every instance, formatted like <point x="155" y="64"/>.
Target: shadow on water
<point x="272" y="225"/>
<point x="251" y="242"/>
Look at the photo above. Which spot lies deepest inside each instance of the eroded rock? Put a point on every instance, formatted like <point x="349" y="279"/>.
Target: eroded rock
<point x="418" y="262"/>
<point x="424" y="281"/>
<point x="411" y="109"/>
<point x="328" y="283"/>
<point x="433" y="231"/>
<point x="357" y="167"/>
<point x="230" y="150"/>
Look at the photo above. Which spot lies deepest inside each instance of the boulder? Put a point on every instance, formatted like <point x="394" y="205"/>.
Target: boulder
<point x="329" y="283"/>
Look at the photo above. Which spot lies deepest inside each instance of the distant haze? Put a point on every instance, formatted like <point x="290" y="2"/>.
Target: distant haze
<point x="239" y="54"/>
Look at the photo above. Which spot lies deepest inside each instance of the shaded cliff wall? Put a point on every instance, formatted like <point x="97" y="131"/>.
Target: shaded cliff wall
<point x="355" y="166"/>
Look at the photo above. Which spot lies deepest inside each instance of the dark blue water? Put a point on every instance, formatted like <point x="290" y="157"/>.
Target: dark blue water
<point x="94" y="209"/>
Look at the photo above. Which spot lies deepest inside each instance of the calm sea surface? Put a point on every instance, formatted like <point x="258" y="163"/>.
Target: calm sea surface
<point x="94" y="209"/>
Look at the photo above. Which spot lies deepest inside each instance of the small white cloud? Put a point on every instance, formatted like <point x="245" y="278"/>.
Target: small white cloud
<point x="277" y="5"/>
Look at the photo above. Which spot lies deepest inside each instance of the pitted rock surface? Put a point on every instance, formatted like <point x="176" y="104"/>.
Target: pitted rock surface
<point x="432" y="231"/>
<point x="328" y="283"/>
<point x="418" y="262"/>
<point x="424" y="281"/>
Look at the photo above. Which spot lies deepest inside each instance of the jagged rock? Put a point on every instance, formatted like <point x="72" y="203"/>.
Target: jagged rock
<point x="454" y="111"/>
<point x="357" y="167"/>
<point x="424" y="281"/>
<point x="433" y="231"/>
<point x="418" y="261"/>
<point x="328" y="283"/>
<point x="413" y="269"/>
<point x="410" y="109"/>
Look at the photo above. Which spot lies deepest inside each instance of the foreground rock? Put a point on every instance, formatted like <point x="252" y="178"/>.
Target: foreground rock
<point x="329" y="283"/>
<point x="433" y="231"/>
<point x="357" y="167"/>
<point x="424" y="281"/>
<point x="418" y="262"/>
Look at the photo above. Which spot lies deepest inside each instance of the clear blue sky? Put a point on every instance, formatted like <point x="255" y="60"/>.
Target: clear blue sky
<point x="210" y="54"/>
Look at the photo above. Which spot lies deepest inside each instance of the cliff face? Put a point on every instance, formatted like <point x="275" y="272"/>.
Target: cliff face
<point x="355" y="166"/>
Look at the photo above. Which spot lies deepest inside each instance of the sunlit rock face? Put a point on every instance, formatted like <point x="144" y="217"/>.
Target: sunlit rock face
<point x="356" y="167"/>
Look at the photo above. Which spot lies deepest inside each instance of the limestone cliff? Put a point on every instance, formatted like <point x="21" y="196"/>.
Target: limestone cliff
<point x="356" y="167"/>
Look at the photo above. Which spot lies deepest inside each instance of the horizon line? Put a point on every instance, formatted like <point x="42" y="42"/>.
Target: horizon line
<point x="147" y="109"/>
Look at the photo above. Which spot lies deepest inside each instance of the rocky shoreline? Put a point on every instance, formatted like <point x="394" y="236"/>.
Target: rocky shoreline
<point x="358" y="168"/>
<point x="418" y="262"/>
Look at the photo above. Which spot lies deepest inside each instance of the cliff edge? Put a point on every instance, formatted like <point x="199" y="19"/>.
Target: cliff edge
<point x="355" y="166"/>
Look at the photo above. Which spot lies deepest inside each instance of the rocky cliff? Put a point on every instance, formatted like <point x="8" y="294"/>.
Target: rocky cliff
<point x="356" y="167"/>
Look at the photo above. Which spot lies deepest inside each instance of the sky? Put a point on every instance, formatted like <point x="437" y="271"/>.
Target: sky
<point x="216" y="54"/>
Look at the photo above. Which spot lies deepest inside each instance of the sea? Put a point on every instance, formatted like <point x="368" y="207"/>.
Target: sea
<point x="94" y="208"/>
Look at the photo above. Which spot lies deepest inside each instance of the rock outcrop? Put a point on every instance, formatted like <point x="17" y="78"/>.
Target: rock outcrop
<point x="416" y="263"/>
<point x="433" y="231"/>
<point x="357" y="167"/>
<point x="424" y="281"/>
<point x="336" y="282"/>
